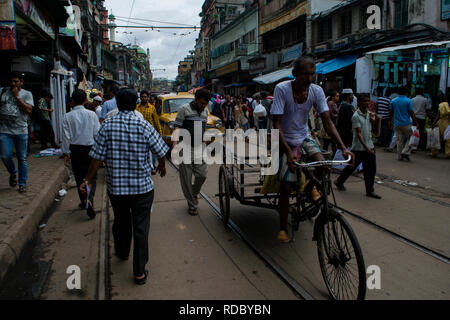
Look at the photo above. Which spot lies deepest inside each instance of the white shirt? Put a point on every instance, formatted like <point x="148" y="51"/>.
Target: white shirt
<point x="295" y="116"/>
<point x="80" y="126"/>
<point x="420" y="105"/>
<point x="114" y="112"/>
<point x="98" y="111"/>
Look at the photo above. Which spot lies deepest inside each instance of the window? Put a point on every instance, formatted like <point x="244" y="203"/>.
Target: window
<point x="252" y="36"/>
<point x="401" y="13"/>
<point x="173" y="105"/>
<point x="267" y="2"/>
<point x="346" y="23"/>
<point x="324" y="30"/>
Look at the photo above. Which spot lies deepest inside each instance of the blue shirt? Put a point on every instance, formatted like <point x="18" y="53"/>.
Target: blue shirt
<point x="107" y="107"/>
<point x="401" y="107"/>
<point x="124" y="142"/>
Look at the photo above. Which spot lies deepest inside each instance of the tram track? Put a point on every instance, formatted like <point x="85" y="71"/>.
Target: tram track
<point x="433" y="253"/>
<point x="397" y="236"/>
<point x="275" y="267"/>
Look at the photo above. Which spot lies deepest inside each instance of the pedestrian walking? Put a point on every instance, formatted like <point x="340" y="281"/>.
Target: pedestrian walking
<point x="124" y="142"/>
<point x="228" y="113"/>
<point x="332" y="101"/>
<point x="362" y="146"/>
<point x="268" y="105"/>
<point x="149" y="112"/>
<point x="401" y="114"/>
<point x="109" y="105"/>
<point x="79" y="129"/>
<point x="344" y="121"/>
<point x="190" y="114"/>
<point x="45" y="111"/>
<point x="16" y="105"/>
<point x="442" y="120"/>
<point x="242" y="114"/>
<point x="383" y="111"/>
<point x="421" y="108"/>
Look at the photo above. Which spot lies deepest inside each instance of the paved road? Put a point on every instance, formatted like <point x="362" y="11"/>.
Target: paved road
<point x="197" y="258"/>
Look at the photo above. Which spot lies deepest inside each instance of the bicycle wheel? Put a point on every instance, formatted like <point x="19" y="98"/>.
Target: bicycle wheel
<point x="341" y="260"/>
<point x="224" y="195"/>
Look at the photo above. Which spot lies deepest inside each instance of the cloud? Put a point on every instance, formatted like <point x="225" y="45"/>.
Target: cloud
<point x="166" y="49"/>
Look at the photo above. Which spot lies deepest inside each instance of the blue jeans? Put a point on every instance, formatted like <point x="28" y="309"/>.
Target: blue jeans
<point x="20" y="141"/>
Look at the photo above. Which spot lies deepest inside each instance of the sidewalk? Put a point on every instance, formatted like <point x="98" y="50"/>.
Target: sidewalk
<point x="20" y="214"/>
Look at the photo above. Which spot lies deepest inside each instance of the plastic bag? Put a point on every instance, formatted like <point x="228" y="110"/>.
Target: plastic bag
<point x="447" y="133"/>
<point x="259" y="111"/>
<point x="415" y="137"/>
<point x="433" y="139"/>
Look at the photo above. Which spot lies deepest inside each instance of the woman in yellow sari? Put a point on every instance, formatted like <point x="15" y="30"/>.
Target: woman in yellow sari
<point x="443" y="117"/>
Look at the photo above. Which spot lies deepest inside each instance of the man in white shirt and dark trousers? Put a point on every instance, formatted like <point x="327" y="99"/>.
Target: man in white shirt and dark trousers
<point x="79" y="129"/>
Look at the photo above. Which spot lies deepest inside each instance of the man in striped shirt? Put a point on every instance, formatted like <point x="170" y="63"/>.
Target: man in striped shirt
<point x="383" y="111"/>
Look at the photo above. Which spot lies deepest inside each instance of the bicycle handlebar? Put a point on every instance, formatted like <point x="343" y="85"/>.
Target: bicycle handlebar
<point x="323" y="163"/>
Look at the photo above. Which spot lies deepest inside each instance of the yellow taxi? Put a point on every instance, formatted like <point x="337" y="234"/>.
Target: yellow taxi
<point x="167" y="106"/>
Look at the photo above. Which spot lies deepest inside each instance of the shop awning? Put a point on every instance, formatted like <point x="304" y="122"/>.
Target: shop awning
<point x="409" y="46"/>
<point x="336" y="64"/>
<point x="274" y="76"/>
<point x="244" y="84"/>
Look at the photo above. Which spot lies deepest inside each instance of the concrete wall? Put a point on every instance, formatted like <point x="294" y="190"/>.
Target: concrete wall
<point x="428" y="12"/>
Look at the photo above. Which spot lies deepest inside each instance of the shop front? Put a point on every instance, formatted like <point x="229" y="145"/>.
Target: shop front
<point x="421" y="65"/>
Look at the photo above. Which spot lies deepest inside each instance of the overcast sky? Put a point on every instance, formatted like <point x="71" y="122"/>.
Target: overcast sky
<point x="166" y="49"/>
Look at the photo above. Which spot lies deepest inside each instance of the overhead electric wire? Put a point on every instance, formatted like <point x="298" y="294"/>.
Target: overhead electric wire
<point x="165" y="22"/>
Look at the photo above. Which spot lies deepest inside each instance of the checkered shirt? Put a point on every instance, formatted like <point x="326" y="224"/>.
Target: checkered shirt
<point x="124" y="142"/>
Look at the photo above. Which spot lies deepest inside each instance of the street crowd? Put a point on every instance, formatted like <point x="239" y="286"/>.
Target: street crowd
<point x="122" y="132"/>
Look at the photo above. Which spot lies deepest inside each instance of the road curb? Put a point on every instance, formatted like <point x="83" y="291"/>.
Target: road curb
<point x="22" y="231"/>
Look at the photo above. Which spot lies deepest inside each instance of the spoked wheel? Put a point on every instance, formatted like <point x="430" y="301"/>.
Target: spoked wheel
<point x="224" y="195"/>
<point x="341" y="259"/>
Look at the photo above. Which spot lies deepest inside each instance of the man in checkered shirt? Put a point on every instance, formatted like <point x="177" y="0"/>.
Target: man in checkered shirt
<point x="124" y="142"/>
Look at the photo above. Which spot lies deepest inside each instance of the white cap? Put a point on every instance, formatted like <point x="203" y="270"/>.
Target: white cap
<point x="347" y="91"/>
<point x="97" y="98"/>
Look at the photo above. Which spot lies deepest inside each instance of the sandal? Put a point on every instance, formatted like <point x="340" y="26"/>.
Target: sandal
<point x="142" y="280"/>
<point x="193" y="212"/>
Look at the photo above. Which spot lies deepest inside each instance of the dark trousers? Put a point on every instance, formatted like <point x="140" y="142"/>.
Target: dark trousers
<point x="229" y="124"/>
<point x="79" y="156"/>
<point x="369" y="168"/>
<point x="423" y="134"/>
<point x="385" y="134"/>
<point x="132" y="217"/>
<point x="47" y="134"/>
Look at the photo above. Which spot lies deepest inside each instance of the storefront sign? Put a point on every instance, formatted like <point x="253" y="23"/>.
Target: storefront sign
<point x="301" y="9"/>
<point x="29" y="8"/>
<point x="292" y="53"/>
<point x="232" y="67"/>
<point x="8" y="36"/>
<point x="7" y="10"/>
<point x="340" y="43"/>
<point x="321" y="48"/>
